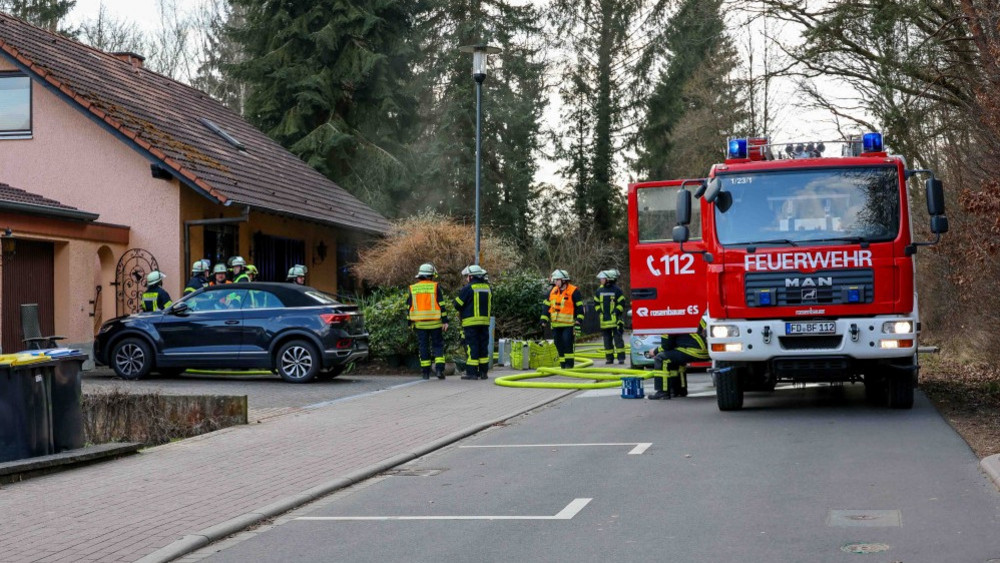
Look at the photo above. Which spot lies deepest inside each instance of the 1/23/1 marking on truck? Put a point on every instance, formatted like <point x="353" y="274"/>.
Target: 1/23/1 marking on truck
<point x="673" y="264"/>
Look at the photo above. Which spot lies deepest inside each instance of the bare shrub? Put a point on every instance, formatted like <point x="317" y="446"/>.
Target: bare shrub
<point x="394" y="260"/>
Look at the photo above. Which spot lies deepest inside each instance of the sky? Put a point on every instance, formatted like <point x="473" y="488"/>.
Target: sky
<point x="793" y="123"/>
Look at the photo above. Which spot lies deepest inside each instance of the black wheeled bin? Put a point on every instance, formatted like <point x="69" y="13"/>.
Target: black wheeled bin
<point x="25" y="410"/>
<point x="67" y="409"/>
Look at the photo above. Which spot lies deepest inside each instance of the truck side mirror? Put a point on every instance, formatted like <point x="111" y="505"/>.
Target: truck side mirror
<point x="683" y="208"/>
<point x="935" y="197"/>
<point x="681" y="233"/>
<point x="700" y="190"/>
<point x="712" y="191"/>
<point x="939" y="224"/>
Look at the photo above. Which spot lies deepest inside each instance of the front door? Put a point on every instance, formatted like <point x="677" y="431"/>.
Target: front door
<point x="208" y="334"/>
<point x="27" y="278"/>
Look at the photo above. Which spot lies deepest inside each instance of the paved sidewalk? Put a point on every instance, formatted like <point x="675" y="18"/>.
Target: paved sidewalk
<point x="129" y="508"/>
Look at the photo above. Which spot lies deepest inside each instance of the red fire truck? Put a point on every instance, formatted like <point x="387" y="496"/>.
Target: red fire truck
<point x="808" y="264"/>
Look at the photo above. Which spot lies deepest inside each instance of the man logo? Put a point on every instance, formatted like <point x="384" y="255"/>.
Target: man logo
<point x="809" y="282"/>
<point x="808" y="294"/>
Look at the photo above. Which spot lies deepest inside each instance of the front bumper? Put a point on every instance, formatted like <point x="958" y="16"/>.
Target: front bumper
<point x="859" y="338"/>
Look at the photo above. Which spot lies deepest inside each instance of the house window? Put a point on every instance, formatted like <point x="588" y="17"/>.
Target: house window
<point x="15" y="106"/>
<point x="221" y="242"/>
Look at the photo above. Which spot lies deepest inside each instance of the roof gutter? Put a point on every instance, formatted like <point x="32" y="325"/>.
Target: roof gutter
<point x="47" y="211"/>
<point x="244" y="218"/>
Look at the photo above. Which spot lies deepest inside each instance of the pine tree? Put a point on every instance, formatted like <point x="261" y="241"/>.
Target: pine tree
<point x="513" y="100"/>
<point x="219" y="52"/>
<point x="692" y="36"/>
<point x="613" y="45"/>
<point x="47" y="14"/>
<point x="330" y="81"/>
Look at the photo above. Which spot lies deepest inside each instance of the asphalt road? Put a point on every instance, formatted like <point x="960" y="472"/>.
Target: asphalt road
<point x="810" y="474"/>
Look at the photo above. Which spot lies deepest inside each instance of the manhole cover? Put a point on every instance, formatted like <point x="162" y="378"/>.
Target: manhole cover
<point x="865" y="548"/>
<point x="413" y="472"/>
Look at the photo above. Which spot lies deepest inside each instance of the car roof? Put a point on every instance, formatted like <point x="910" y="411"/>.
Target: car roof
<point x="292" y="295"/>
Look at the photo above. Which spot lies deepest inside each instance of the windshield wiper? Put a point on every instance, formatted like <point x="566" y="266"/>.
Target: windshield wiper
<point x="771" y="241"/>
<point x="851" y="239"/>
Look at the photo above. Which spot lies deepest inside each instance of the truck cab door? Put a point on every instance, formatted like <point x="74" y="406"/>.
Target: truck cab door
<point x="669" y="293"/>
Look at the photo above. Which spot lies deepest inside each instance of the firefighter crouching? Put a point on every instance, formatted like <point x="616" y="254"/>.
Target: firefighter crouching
<point x="675" y="352"/>
<point x="475" y="306"/>
<point x="563" y="311"/>
<point x="155" y="298"/>
<point x="610" y="304"/>
<point x="427" y="318"/>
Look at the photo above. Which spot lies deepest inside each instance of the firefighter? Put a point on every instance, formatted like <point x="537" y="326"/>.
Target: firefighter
<point x="155" y="298"/>
<point x="475" y="306"/>
<point x="239" y="266"/>
<point x="425" y="315"/>
<point x="676" y="350"/>
<point x="563" y="310"/>
<point x="297" y="274"/>
<point x="197" y="281"/>
<point x="610" y="304"/>
<point x="219" y="275"/>
<point x="252" y="272"/>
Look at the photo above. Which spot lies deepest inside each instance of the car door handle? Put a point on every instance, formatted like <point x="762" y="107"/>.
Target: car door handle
<point x="232" y="322"/>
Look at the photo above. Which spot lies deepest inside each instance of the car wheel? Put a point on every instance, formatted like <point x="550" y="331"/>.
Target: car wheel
<point x="297" y="361"/>
<point x="132" y="359"/>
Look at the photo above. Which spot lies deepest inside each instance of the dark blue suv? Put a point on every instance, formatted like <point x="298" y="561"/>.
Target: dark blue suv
<point x="296" y="331"/>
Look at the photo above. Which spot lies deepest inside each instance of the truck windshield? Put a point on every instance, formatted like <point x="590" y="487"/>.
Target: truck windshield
<point x="835" y="205"/>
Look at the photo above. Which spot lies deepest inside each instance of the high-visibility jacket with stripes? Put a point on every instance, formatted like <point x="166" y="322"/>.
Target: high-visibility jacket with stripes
<point x="610" y="305"/>
<point x="563" y="307"/>
<point x="692" y="345"/>
<point x="242" y="278"/>
<point x="475" y="303"/>
<point x="424" y="305"/>
<point x="156" y="299"/>
<point x="194" y="284"/>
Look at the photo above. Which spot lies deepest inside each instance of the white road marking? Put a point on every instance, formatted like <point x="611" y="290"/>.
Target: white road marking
<point x="639" y="448"/>
<point x="571" y="510"/>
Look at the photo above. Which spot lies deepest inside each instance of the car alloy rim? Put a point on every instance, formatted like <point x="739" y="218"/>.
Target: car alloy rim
<point x="130" y="359"/>
<point x="296" y="362"/>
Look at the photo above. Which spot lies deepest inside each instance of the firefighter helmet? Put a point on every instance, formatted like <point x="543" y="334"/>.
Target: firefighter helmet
<point x="427" y="271"/>
<point x="605" y="274"/>
<point x="237" y="261"/>
<point x="155" y="277"/>
<point x="252" y="270"/>
<point x="296" y="271"/>
<point x="198" y="267"/>
<point x="476" y="270"/>
<point x="219" y="268"/>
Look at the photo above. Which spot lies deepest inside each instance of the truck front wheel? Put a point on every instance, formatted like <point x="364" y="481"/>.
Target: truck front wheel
<point x="729" y="390"/>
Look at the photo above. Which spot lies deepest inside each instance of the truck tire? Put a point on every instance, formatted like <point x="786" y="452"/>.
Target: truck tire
<point x="729" y="390"/>
<point x="899" y="388"/>
<point x="875" y="388"/>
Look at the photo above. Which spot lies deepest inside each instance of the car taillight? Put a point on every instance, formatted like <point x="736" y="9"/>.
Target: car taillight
<point x="334" y="318"/>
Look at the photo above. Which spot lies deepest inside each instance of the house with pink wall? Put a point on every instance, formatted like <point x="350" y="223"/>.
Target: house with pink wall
<point x="109" y="170"/>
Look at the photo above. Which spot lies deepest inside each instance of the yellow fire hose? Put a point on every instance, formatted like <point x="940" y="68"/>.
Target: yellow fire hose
<point x="606" y="377"/>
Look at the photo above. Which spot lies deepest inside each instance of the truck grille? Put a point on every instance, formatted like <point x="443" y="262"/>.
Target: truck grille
<point x="824" y="287"/>
<point x="831" y="342"/>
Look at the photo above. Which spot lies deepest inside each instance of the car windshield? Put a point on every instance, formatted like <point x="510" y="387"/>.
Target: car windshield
<point x="850" y="204"/>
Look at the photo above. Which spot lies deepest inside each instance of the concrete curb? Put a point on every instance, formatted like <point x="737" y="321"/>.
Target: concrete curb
<point x="991" y="467"/>
<point x="200" y="539"/>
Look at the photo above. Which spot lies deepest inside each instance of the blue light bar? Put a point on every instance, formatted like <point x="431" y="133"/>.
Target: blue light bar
<point x="764" y="298"/>
<point x="853" y="295"/>
<point x="872" y="142"/>
<point x="738" y="148"/>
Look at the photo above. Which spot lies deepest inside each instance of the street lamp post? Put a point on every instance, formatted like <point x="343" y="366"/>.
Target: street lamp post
<point x="479" y="53"/>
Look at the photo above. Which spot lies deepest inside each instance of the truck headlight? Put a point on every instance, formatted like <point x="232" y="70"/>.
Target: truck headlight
<point x="897" y="327"/>
<point x="725" y="331"/>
